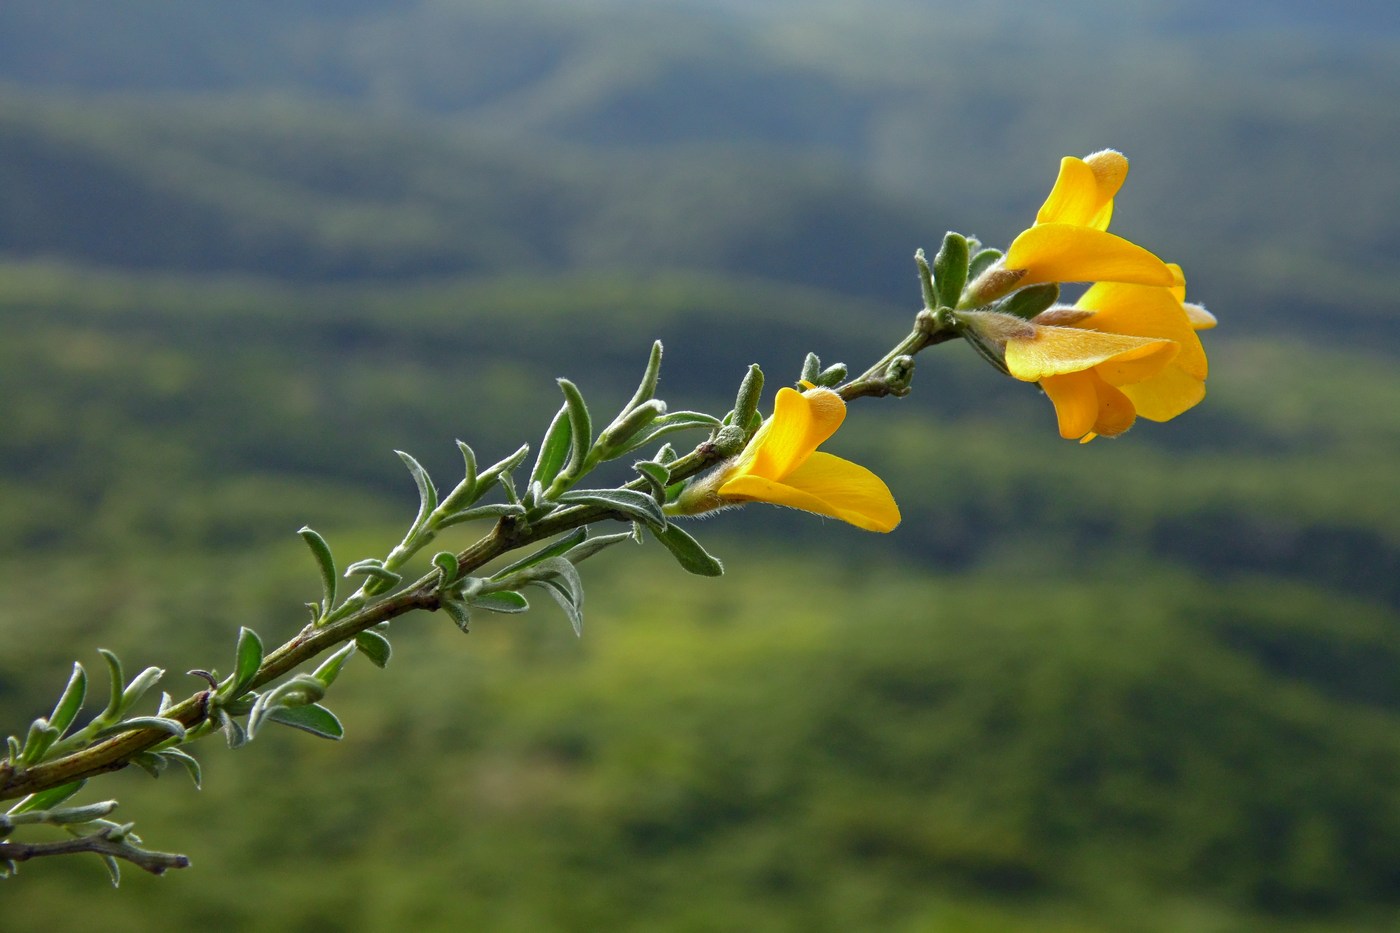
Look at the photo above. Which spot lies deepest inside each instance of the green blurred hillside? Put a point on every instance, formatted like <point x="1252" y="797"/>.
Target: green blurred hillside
<point x="1150" y="684"/>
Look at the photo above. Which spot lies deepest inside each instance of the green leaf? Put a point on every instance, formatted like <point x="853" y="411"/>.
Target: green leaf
<point x="656" y="475"/>
<point x="495" y="510"/>
<point x="165" y="724"/>
<point x="330" y="668"/>
<point x="507" y="601"/>
<point x="616" y="438"/>
<point x="41" y="736"/>
<point x="647" y="389"/>
<point x="592" y="545"/>
<point x="1031" y="300"/>
<point x="313" y="718"/>
<point x="249" y="659"/>
<point x="926" y="286"/>
<point x="580" y="426"/>
<point x="554" y="449"/>
<point x="553" y="549"/>
<point x="670" y="424"/>
<point x="468" y="465"/>
<point x="688" y="552"/>
<point x="565" y="598"/>
<point x="48" y="799"/>
<point x="458" y="612"/>
<point x="234" y="733"/>
<point x="325" y="562"/>
<point x="118" y="676"/>
<point x="950" y="269"/>
<point x="186" y="761"/>
<point x="374" y="568"/>
<point x="468" y="490"/>
<point x="981" y="262"/>
<point x="811" y="366"/>
<point x="427" y="492"/>
<point x="135" y="690"/>
<point x="492" y="473"/>
<point x="376" y="647"/>
<point x="150" y="762"/>
<point x="114" y="871"/>
<point x="446" y="564"/>
<point x="71" y="701"/>
<point x="630" y="502"/>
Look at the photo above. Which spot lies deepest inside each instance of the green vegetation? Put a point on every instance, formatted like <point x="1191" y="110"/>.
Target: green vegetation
<point x="1143" y="685"/>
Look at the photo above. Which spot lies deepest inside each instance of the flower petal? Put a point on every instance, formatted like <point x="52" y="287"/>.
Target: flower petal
<point x="1076" y="403"/>
<point x="801" y="421"/>
<point x="1060" y="252"/>
<point x="1083" y="192"/>
<point x="1165" y="395"/>
<point x="827" y="485"/>
<point x="1057" y="351"/>
<point x="1144" y="311"/>
<point x="1200" y="318"/>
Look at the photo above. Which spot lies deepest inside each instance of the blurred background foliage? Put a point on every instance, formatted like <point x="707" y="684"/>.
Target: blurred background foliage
<point x="246" y="250"/>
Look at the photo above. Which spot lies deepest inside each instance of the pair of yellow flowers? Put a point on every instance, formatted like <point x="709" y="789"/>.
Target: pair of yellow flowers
<point x="1128" y="347"/>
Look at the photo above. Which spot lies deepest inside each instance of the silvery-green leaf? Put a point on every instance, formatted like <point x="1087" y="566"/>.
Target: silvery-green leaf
<point x="373" y="568"/>
<point x="580" y="425"/>
<point x="118" y="677"/>
<point x="114" y="871"/>
<point x="330" y="668"/>
<point x="427" y="492"/>
<point x="492" y="473"/>
<point x="981" y="262"/>
<point x="313" y="718"/>
<point x="671" y="423"/>
<point x="592" y="545"/>
<point x="376" y="647"/>
<point x="163" y="723"/>
<point x="553" y="549"/>
<point x="630" y="502"/>
<point x="554" y="449"/>
<point x="234" y="733"/>
<point x="137" y="688"/>
<point x="647" y="389"/>
<point x="48" y="799"/>
<point x="325" y="562"/>
<point x="458" y="612"/>
<point x="495" y="510"/>
<point x="507" y="601"/>
<point x="565" y="598"/>
<point x="187" y="761"/>
<point x="950" y="270"/>
<point x="249" y="658"/>
<point x="688" y="552"/>
<point x="446" y="564"/>
<point x="70" y="702"/>
<point x="656" y="475"/>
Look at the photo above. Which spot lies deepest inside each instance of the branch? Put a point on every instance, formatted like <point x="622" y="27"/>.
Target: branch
<point x="99" y="843"/>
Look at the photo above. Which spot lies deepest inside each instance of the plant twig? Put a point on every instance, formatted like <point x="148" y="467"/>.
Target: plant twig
<point x="98" y="843"/>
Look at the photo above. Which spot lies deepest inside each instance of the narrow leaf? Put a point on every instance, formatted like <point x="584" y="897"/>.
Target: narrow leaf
<point x="507" y="601"/>
<point x="594" y="544"/>
<point x="656" y="475"/>
<point x="490" y="475"/>
<point x="150" y="762"/>
<point x="71" y="700"/>
<point x="630" y="502"/>
<point x="688" y="552"/>
<point x="165" y="724"/>
<point x="188" y="762"/>
<point x="48" y="799"/>
<point x="670" y="424"/>
<point x="982" y="261"/>
<point x="495" y="510"/>
<point x="137" y="688"/>
<point x="376" y="647"/>
<point x="554" y="449"/>
<point x="580" y="426"/>
<point x="467" y="491"/>
<point x="565" y="599"/>
<point x="427" y="492"/>
<point x="118" y="676"/>
<point x="446" y="564"/>
<point x="374" y="568"/>
<point x="114" y="871"/>
<point x="553" y="549"/>
<point x="313" y="718"/>
<point x="325" y="562"/>
<point x="234" y="733"/>
<point x="647" y="389"/>
<point x="331" y="667"/>
<point x="950" y="269"/>
<point x="248" y="660"/>
<point x="458" y="612"/>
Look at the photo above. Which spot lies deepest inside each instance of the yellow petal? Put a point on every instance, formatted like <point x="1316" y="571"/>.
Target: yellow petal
<point x="1165" y="395"/>
<point x="1144" y="311"/>
<point x="825" y="485"/>
<point x="1083" y="192"/>
<point x="1075" y="197"/>
<point x="801" y="421"/>
<point x="1057" y="351"/>
<point x="1116" y="412"/>
<point x="1076" y="402"/>
<point x="1059" y="252"/>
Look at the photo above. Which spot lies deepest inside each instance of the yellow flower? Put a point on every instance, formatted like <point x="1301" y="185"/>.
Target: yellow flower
<point x="782" y="465"/>
<point x="1069" y="241"/>
<point x="1123" y="350"/>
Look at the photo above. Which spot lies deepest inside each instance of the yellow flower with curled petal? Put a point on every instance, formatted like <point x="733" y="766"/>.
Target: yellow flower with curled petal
<point x="1122" y="351"/>
<point x="782" y="465"/>
<point x="1069" y="241"/>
